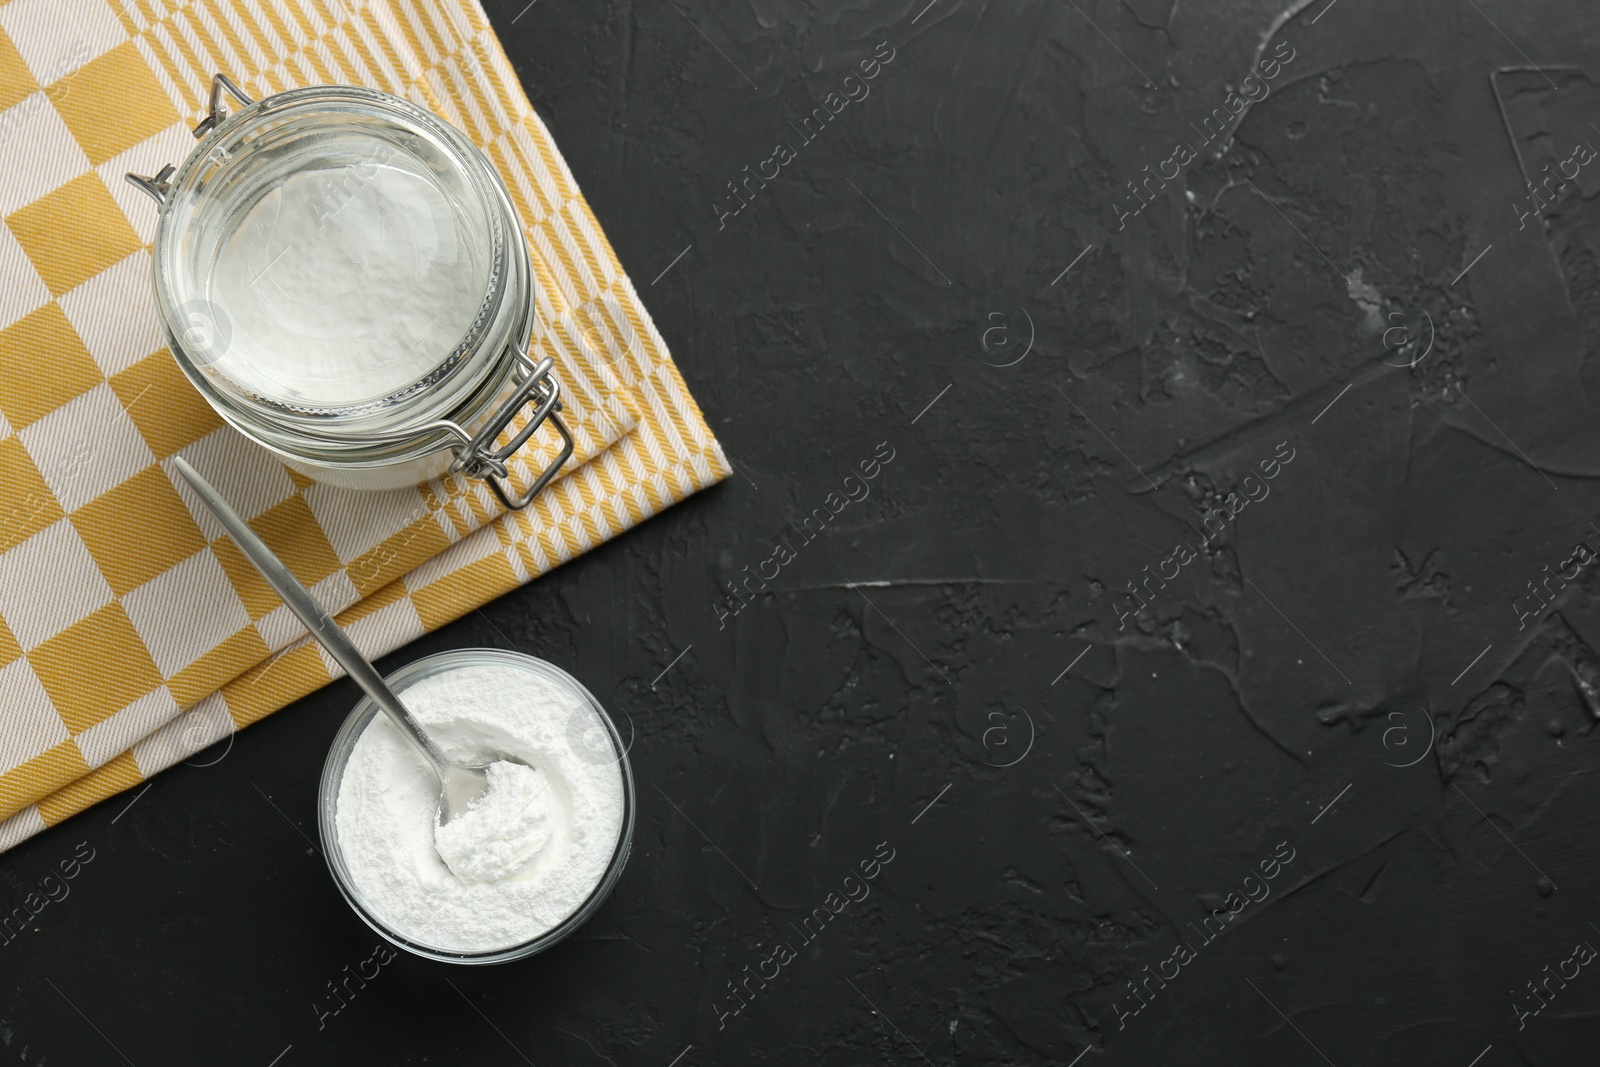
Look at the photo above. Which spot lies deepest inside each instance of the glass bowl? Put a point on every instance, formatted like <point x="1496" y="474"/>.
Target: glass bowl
<point x="344" y="743"/>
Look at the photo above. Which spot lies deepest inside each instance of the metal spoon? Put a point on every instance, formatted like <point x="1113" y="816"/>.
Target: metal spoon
<point x="460" y="784"/>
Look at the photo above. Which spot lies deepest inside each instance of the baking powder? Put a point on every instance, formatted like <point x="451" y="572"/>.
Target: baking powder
<point x="532" y="850"/>
<point x="342" y="285"/>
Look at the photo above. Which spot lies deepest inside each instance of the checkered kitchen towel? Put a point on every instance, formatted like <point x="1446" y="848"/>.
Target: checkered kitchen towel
<point x="132" y="634"/>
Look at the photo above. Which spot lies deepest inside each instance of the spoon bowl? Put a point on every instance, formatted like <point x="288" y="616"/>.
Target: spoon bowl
<point x="461" y="786"/>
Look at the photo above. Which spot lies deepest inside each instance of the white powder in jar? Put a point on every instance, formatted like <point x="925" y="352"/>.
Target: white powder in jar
<point x="526" y="857"/>
<point x="344" y="284"/>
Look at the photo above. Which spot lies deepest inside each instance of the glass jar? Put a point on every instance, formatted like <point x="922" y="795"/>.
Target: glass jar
<point x="342" y="275"/>
<point x="579" y="736"/>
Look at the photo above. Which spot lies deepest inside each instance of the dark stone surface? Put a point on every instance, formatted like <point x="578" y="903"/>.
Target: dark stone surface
<point x="1345" y="669"/>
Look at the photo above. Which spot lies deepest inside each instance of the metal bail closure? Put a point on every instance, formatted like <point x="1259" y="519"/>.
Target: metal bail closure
<point x="160" y="185"/>
<point x="157" y="187"/>
<point x="219" y="110"/>
<point x="478" y="457"/>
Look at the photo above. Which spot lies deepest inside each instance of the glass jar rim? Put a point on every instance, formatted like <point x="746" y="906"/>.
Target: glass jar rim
<point x="465" y="416"/>
<point x="455" y="374"/>
<point x="344" y="743"/>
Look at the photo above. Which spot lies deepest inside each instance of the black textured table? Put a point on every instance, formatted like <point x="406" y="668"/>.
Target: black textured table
<point x="1175" y="421"/>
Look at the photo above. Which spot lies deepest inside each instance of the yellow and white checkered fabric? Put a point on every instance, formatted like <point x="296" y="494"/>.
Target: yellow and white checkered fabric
<point x="132" y="633"/>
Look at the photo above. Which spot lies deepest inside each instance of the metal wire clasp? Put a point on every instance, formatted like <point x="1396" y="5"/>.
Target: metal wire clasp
<point x="159" y="185"/>
<point x="477" y="456"/>
<point x="219" y="110"/>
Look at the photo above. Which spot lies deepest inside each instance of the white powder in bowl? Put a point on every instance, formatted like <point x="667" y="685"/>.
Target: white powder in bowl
<point x="501" y="831"/>
<point x="530" y="853"/>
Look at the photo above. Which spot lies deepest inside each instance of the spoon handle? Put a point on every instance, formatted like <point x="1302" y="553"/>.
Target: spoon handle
<point x="318" y="622"/>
